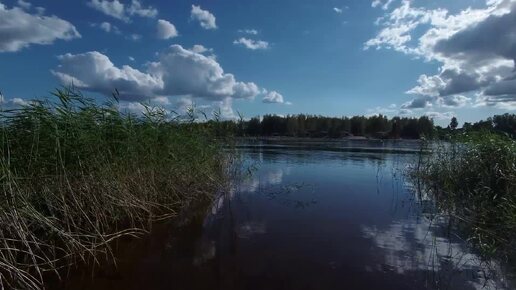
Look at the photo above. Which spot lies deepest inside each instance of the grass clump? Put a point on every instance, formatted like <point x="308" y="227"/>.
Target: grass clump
<point x="75" y="175"/>
<point x="473" y="178"/>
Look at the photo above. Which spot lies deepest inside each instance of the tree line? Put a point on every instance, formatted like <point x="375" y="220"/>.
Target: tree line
<point x="504" y="124"/>
<point x="376" y="126"/>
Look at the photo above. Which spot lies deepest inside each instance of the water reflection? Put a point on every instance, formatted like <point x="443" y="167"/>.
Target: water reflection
<point x="313" y="220"/>
<point x="412" y="246"/>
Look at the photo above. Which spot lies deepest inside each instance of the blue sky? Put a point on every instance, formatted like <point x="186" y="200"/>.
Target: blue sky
<point x="335" y="57"/>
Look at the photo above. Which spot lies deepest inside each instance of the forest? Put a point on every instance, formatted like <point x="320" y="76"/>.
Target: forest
<point x="376" y="126"/>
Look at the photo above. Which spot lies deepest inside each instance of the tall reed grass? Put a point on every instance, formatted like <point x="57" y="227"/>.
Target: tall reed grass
<point x="473" y="178"/>
<point x="76" y="175"/>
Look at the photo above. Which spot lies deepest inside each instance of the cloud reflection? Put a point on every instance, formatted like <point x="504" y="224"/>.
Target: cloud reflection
<point x="419" y="245"/>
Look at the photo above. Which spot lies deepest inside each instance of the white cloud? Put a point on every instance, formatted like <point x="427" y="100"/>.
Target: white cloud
<point x="14" y="102"/>
<point x="176" y="73"/>
<point x="440" y="115"/>
<point x="378" y="3"/>
<point x="252" y="44"/>
<point x="162" y="100"/>
<point x="107" y="27"/>
<point x="19" y="102"/>
<point x="95" y="72"/>
<point x="248" y="31"/>
<point x="391" y="109"/>
<point x="166" y="30"/>
<point x="273" y="97"/>
<point x="418" y="103"/>
<point x="137" y="9"/>
<point x="131" y="107"/>
<point x="186" y="72"/>
<point x="405" y="112"/>
<point x="205" y="18"/>
<point x="454" y="101"/>
<point x="198" y="48"/>
<point x="337" y="10"/>
<point x="475" y="47"/>
<point x="131" y="58"/>
<point x="121" y="11"/>
<point x="19" y="29"/>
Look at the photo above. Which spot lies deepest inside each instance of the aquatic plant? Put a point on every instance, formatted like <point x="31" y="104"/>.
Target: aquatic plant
<point x="473" y="178"/>
<point x="77" y="175"/>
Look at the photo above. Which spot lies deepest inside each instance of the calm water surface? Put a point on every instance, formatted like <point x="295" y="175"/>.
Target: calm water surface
<point x="307" y="219"/>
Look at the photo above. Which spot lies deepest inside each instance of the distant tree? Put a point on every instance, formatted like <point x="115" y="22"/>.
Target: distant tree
<point x="454" y="123"/>
<point x="483" y="125"/>
<point x="505" y="123"/>
<point x="358" y="126"/>
<point x="410" y="129"/>
<point x="395" y="129"/>
<point x="254" y="127"/>
<point x="378" y="125"/>
<point x="425" y="126"/>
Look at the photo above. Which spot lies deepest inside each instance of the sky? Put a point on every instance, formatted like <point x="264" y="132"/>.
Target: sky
<point x="438" y="58"/>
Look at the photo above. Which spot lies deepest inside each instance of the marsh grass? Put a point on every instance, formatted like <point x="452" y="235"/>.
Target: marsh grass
<point x="77" y="175"/>
<point x="473" y="179"/>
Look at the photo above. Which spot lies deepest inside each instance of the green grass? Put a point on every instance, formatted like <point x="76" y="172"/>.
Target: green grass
<point x="473" y="178"/>
<point x="77" y="175"/>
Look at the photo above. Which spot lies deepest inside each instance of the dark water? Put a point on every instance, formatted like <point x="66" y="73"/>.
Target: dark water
<point x="306" y="219"/>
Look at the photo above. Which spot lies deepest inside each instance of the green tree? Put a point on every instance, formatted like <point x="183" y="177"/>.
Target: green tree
<point x="454" y="123"/>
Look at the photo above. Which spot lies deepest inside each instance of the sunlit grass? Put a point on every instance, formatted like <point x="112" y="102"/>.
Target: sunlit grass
<point x="77" y="175"/>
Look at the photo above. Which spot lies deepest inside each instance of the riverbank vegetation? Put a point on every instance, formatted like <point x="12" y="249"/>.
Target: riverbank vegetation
<point x="473" y="179"/>
<point x="77" y="175"/>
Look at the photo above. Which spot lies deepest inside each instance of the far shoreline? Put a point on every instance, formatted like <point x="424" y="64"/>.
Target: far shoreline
<point x="319" y="139"/>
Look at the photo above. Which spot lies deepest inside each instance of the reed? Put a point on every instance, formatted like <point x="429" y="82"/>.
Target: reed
<point x="473" y="178"/>
<point x="77" y="175"/>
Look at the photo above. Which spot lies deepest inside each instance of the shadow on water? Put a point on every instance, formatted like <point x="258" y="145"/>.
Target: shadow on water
<point x="305" y="219"/>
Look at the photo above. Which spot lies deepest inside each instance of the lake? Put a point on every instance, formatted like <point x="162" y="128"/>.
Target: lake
<point x="307" y="215"/>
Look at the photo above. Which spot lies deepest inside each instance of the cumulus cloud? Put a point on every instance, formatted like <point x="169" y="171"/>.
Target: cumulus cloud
<point x="455" y="101"/>
<point x="418" y="103"/>
<point x="273" y="97"/>
<point x="19" y="29"/>
<point x="95" y="72"/>
<point x="177" y="72"/>
<point x="166" y="30"/>
<point x="337" y="10"/>
<point x="475" y="47"/>
<point x="186" y="72"/>
<point x="252" y="44"/>
<point x="121" y="11"/>
<point x="205" y="18"/>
